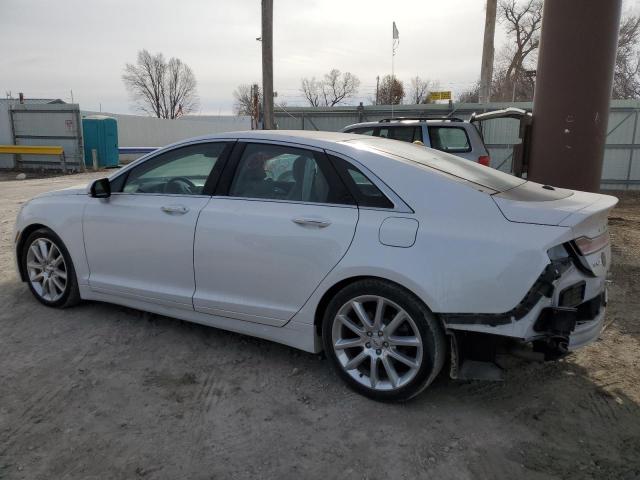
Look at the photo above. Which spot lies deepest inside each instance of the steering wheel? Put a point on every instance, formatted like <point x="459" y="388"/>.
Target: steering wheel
<point x="180" y="185"/>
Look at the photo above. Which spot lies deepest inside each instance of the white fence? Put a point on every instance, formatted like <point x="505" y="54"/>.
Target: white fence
<point x="139" y="131"/>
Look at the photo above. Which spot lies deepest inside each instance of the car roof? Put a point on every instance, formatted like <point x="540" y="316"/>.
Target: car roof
<point x="320" y="139"/>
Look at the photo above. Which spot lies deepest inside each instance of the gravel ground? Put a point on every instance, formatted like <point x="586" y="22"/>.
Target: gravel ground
<point x="101" y="391"/>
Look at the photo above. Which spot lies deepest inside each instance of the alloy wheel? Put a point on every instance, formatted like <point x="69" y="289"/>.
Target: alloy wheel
<point x="377" y="342"/>
<point x="47" y="269"/>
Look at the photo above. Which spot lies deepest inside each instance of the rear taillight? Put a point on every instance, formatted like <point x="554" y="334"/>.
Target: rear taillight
<point x="484" y="160"/>
<point x="587" y="245"/>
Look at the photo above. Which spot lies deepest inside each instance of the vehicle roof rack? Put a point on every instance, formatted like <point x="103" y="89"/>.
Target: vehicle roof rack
<point x="451" y="119"/>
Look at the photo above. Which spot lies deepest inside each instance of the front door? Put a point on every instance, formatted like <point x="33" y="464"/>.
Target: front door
<point x="263" y="247"/>
<point x="139" y="241"/>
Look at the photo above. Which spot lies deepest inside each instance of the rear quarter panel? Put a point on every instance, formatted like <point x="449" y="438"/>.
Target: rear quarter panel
<point x="467" y="257"/>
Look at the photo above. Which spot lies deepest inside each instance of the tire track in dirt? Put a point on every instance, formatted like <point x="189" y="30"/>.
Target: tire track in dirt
<point x="197" y="425"/>
<point x="44" y="402"/>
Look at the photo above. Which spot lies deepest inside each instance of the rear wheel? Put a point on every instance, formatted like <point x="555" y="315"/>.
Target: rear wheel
<point x="50" y="273"/>
<point x="382" y="341"/>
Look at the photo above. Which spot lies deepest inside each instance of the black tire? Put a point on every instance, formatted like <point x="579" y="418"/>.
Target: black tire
<point x="71" y="294"/>
<point x="428" y="325"/>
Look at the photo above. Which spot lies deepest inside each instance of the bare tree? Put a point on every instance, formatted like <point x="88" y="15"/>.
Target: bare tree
<point x="513" y="79"/>
<point x="522" y="21"/>
<point x="626" y="80"/>
<point x="432" y="86"/>
<point x="311" y="89"/>
<point x="335" y="88"/>
<point x="244" y="102"/>
<point x="180" y="90"/>
<point x="391" y="91"/>
<point x="472" y="95"/>
<point x="419" y="91"/>
<point x="160" y="88"/>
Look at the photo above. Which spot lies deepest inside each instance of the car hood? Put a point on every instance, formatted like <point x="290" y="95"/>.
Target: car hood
<point x="80" y="189"/>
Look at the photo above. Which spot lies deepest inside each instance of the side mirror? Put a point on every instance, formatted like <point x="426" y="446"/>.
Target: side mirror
<point x="101" y="188"/>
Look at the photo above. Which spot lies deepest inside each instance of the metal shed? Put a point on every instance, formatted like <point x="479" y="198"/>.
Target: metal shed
<point x="37" y="122"/>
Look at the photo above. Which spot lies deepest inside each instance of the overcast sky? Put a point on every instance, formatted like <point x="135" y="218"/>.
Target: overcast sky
<point x="48" y="48"/>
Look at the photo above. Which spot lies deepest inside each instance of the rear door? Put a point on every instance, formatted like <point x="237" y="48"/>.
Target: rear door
<point x="281" y="220"/>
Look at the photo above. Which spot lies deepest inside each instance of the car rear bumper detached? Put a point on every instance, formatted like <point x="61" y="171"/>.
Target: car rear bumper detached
<point x="576" y="326"/>
<point x="564" y="310"/>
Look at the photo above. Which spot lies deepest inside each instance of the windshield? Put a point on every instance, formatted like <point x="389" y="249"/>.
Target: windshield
<point x="443" y="162"/>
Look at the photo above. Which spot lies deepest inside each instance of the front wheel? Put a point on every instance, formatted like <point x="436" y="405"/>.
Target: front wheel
<point x="50" y="273"/>
<point x="382" y="341"/>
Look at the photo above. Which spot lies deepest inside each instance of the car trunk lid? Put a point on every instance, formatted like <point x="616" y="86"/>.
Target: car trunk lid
<point x="545" y="205"/>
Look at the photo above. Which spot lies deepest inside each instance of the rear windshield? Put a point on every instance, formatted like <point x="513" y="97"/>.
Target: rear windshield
<point x="444" y="162"/>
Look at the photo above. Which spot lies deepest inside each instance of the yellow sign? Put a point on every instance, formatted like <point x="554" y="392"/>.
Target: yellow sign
<point x="445" y="95"/>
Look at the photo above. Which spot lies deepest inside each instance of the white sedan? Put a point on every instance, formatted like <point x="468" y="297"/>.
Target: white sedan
<point x="388" y="256"/>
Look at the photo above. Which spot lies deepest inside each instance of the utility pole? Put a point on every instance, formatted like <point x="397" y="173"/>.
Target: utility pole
<point x="486" y="70"/>
<point x="255" y="110"/>
<point x="573" y="91"/>
<point x="267" y="63"/>
<point x="378" y="90"/>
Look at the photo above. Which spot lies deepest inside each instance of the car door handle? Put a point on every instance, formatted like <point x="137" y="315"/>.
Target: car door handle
<point x="174" y="209"/>
<point x="311" y="222"/>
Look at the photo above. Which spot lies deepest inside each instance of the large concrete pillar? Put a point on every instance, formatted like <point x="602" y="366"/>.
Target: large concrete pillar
<point x="573" y="88"/>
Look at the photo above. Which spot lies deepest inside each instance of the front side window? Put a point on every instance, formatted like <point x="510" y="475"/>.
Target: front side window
<point x="449" y="139"/>
<point x="183" y="171"/>
<point x="284" y="173"/>
<point x="402" y="133"/>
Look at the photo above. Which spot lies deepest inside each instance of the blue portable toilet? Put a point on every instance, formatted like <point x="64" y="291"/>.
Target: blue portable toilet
<point x="100" y="132"/>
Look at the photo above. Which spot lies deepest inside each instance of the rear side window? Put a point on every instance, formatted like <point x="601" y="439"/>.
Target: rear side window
<point x="364" y="190"/>
<point x="449" y="139"/>
<point x="403" y="133"/>
<point x="279" y="172"/>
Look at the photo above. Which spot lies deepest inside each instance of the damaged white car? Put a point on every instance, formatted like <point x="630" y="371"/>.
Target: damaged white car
<point x="390" y="257"/>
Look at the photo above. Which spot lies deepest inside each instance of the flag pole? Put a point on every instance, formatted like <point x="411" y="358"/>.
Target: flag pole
<point x="393" y="76"/>
<point x="395" y="39"/>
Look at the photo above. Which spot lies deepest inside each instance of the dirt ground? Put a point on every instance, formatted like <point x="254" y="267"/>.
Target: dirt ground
<point x="100" y="391"/>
